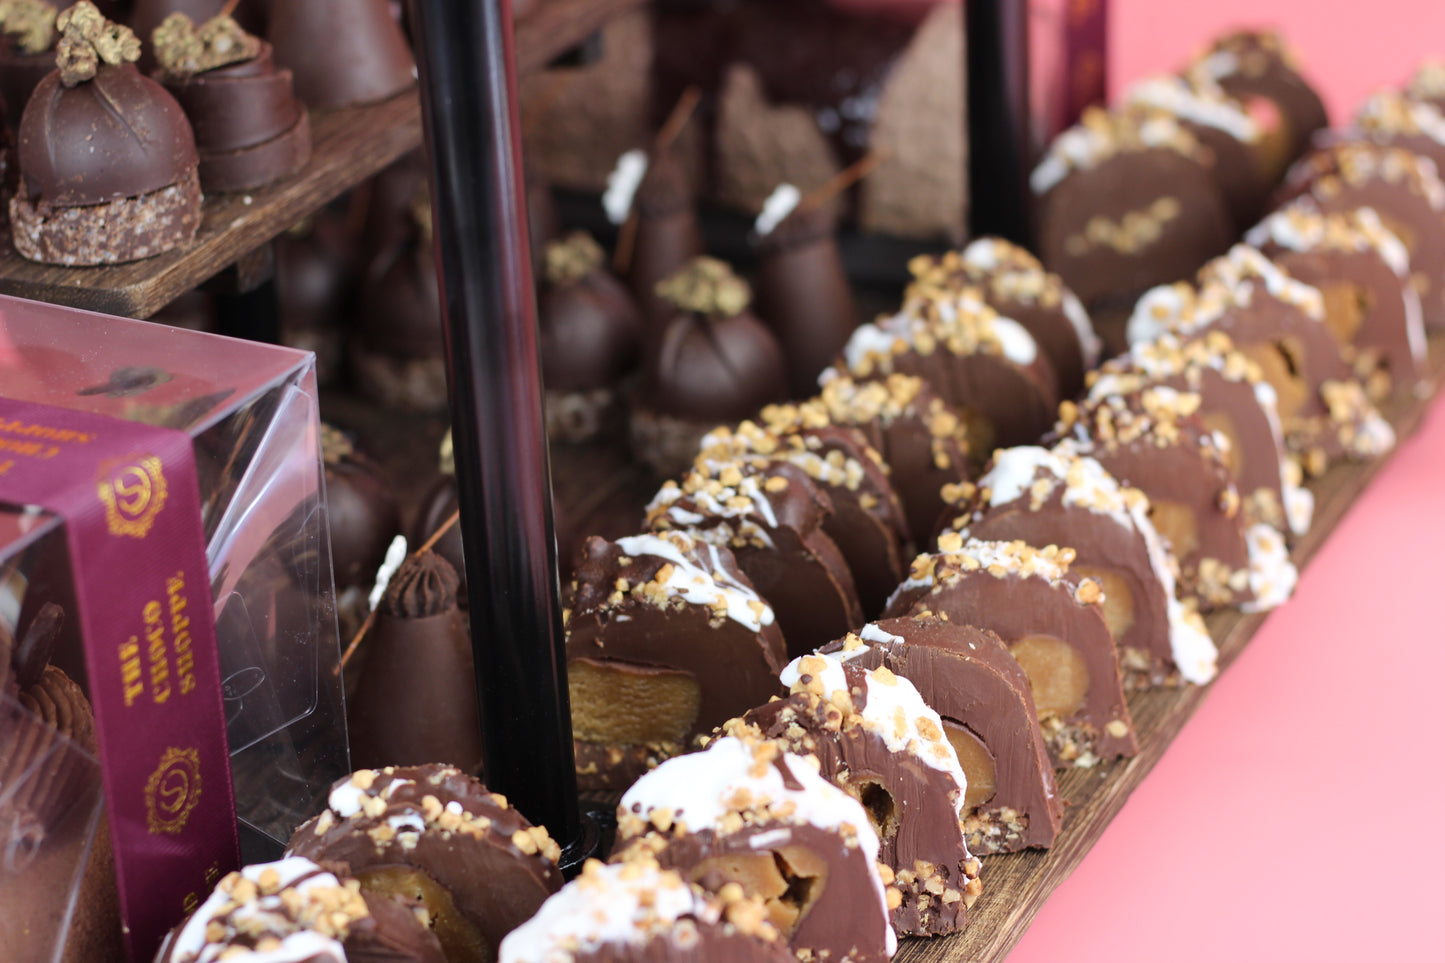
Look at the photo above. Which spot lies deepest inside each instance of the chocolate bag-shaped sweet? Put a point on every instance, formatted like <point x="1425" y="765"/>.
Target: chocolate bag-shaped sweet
<point x="666" y="639"/>
<point x="747" y="813"/>
<point x="982" y="694"/>
<point x="1054" y="626"/>
<point x="668" y="235"/>
<point x="875" y="739"/>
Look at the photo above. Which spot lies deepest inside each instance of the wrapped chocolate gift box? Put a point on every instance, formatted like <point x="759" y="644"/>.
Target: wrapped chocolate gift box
<point x="146" y="470"/>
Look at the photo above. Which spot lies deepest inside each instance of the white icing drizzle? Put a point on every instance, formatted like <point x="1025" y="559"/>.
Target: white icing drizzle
<point x="988" y="554"/>
<point x="622" y="184"/>
<point x="695" y="584"/>
<point x="780" y="203"/>
<point x="1018" y="345"/>
<point x="1159" y="311"/>
<point x="870" y="341"/>
<point x="395" y="555"/>
<point x="1272" y="576"/>
<point x="1244" y="264"/>
<point x="192" y="946"/>
<point x="1089" y="342"/>
<point x="1197" y="103"/>
<point x="721" y="504"/>
<point x="872" y="633"/>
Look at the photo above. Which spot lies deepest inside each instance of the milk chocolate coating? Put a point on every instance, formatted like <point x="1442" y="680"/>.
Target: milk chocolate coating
<point x="968" y="677"/>
<point x="343" y="53"/>
<point x="1263" y="71"/>
<point x="668" y="236"/>
<point x="118" y="135"/>
<point x="363" y="516"/>
<point x="916" y="814"/>
<point x="493" y="884"/>
<point x="803" y="294"/>
<point x="590" y="332"/>
<point x="416" y="699"/>
<point x="1013" y="607"/>
<point x="714" y="370"/>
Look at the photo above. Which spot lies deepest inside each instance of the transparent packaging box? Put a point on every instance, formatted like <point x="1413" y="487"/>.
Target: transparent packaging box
<point x="251" y="411"/>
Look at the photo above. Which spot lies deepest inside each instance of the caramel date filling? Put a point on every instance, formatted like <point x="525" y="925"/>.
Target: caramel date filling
<point x="878" y="803"/>
<point x="977" y="762"/>
<point x="1057" y="674"/>
<point x="1118" y="602"/>
<point x="1281" y="365"/>
<point x="461" y="941"/>
<point x="1234" y="455"/>
<point x="616" y="703"/>
<point x="1346" y="307"/>
<point x="788" y="881"/>
<point x="1177" y="523"/>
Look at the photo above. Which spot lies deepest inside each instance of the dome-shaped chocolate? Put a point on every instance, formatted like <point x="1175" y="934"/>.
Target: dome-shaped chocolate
<point x="590" y="329"/>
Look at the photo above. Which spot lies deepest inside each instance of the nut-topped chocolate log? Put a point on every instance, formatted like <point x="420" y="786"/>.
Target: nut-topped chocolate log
<point x="250" y="128"/>
<point x="1234" y="401"/>
<point x="1395" y="119"/>
<point x="921" y="437"/>
<point x="867" y="522"/>
<point x="876" y="739"/>
<point x="968" y="677"/>
<point x="637" y="912"/>
<point x="1052" y="621"/>
<point x="1362" y="271"/>
<point x="295" y="911"/>
<point x="745" y="814"/>
<point x="433" y="836"/>
<point x="1253" y="65"/>
<point x="107" y="159"/>
<point x="1038" y="496"/>
<point x="771" y="515"/>
<point x="1154" y="440"/>
<point x="666" y="639"/>
<point x="1015" y="284"/>
<point x="988" y="367"/>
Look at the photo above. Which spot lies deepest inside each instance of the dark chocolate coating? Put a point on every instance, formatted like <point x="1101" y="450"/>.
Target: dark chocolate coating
<point x="20" y="74"/>
<point x="343" y="53"/>
<point x="590" y="332"/>
<point x="1263" y="71"/>
<point x="118" y="135"/>
<point x="968" y="677"/>
<point x="668" y="236"/>
<point x="401" y="307"/>
<point x="239" y="105"/>
<point x="714" y="370"/>
<point x="364" y="517"/>
<point x="1015" y="606"/>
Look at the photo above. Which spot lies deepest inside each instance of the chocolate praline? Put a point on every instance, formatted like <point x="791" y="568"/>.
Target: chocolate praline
<point x="343" y="53"/>
<point x="361" y="510"/>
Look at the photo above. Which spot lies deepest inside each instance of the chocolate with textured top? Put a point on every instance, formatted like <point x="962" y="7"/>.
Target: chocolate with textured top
<point x="968" y="677"/>
<point x="433" y="835"/>
<point x="342" y="52"/>
<point x="362" y="513"/>
<point x="44" y="782"/>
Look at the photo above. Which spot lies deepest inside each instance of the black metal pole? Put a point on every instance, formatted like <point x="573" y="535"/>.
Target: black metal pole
<point x="999" y="157"/>
<point x="469" y="100"/>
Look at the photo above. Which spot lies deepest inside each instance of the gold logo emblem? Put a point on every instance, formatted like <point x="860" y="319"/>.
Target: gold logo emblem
<point x="173" y="791"/>
<point x="133" y="491"/>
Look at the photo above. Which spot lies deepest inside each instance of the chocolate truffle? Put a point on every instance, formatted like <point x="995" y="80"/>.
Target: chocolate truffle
<point x="988" y="367"/>
<point x="343" y="53"/>
<point x="293" y="909"/>
<point x="748" y="814"/>
<point x="1255" y="65"/>
<point x="27" y="52"/>
<point x="1234" y="402"/>
<point x="1394" y="119"/>
<point x="1015" y="284"/>
<point x="636" y="912"/>
<point x="666" y="639"/>
<point x="1038" y="496"/>
<point x="921" y="438"/>
<point x="590" y="339"/>
<point x="1362" y="271"/>
<point x="668" y="236"/>
<point x="1053" y="623"/>
<point x="875" y="739"/>
<point x="362" y="512"/>
<point x="1126" y="201"/>
<point x="982" y="694"/>
<point x="107" y="159"/>
<point x="250" y="128"/>
<point x="771" y="515"/>
<point x="802" y="291"/>
<point x="1154" y="440"/>
<point x="715" y="363"/>
<point x="433" y="836"/>
<point x="416" y="700"/>
<point x="867" y="522"/>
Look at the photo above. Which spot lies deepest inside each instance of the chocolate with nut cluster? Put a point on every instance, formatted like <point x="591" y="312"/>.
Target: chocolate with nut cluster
<point x="434" y="837"/>
<point x="966" y="675"/>
<point x="666" y="639"/>
<point x="108" y="163"/>
<point x="1255" y="65"/>
<point x="343" y="53"/>
<point x="1395" y="119"/>
<point x="875" y="739"/>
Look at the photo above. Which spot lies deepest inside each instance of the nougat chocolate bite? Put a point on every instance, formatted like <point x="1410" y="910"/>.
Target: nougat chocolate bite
<point x="590" y="338"/>
<point x="108" y="163"/>
<point x="434" y="837"/>
<point x="771" y="515"/>
<point x="637" y="912"/>
<point x="748" y="815"/>
<point x="1362" y="270"/>
<point x="876" y="739"/>
<point x="1235" y="401"/>
<point x="343" y="53"/>
<point x="296" y="911"/>
<point x="1015" y="284"/>
<point x="1052" y="621"/>
<point x="867" y="522"/>
<point x="714" y="363"/>
<point x="666" y="639"/>
<point x="966" y="675"/>
<point x="921" y="437"/>
<point x="1127" y="201"/>
<point x="1154" y="440"/>
<point x="416" y="698"/>
<point x="1253" y="65"/>
<point x="1039" y="496"/>
<point x="988" y="367"/>
<point x="668" y="235"/>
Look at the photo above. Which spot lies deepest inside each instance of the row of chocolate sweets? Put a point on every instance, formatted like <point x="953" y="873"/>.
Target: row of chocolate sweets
<point x="112" y="163"/>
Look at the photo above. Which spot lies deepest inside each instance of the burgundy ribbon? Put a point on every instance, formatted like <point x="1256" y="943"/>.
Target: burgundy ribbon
<point x="129" y="498"/>
<point x="1086" y="57"/>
